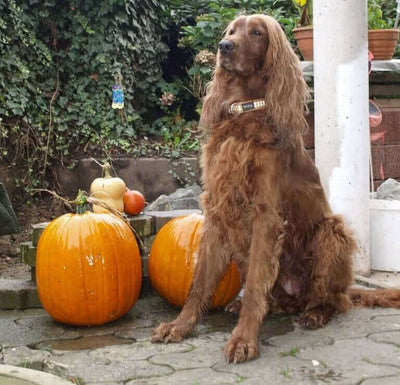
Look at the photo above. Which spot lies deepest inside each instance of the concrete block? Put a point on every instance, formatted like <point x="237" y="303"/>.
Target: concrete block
<point x="37" y="230"/>
<point x="147" y="242"/>
<point x="18" y="294"/>
<point x="160" y="218"/>
<point x="28" y="253"/>
<point x="145" y="266"/>
<point x="143" y="224"/>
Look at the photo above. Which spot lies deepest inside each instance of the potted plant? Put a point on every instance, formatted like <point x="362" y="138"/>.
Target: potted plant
<point x="382" y="38"/>
<point x="304" y="31"/>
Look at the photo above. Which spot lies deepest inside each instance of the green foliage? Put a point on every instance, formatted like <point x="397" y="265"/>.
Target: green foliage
<point x="202" y="38"/>
<point x="375" y="15"/>
<point x="381" y="14"/>
<point x="209" y="27"/>
<point x="58" y="62"/>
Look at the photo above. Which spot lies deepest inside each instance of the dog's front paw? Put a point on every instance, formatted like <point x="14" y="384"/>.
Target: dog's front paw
<point x="234" y="306"/>
<point x="170" y="332"/>
<point x="239" y="350"/>
<point x="314" y="319"/>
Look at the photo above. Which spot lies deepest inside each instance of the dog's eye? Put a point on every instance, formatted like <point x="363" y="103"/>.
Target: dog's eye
<point x="231" y="32"/>
<point x="256" y="32"/>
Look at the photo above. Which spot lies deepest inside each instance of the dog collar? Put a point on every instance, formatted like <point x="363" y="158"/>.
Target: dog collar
<point x="251" y="105"/>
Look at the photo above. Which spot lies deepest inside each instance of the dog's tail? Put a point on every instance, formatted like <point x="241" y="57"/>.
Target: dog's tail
<point x="378" y="297"/>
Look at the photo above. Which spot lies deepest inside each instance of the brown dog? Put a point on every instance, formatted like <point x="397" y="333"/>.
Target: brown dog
<point x="264" y="206"/>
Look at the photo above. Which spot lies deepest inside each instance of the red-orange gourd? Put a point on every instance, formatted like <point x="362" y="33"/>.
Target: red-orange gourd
<point x="134" y="202"/>
<point x="88" y="268"/>
<point x="172" y="259"/>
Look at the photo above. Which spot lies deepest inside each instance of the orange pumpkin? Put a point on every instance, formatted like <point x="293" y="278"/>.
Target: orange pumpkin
<point x="172" y="259"/>
<point x="134" y="202"/>
<point x="88" y="268"/>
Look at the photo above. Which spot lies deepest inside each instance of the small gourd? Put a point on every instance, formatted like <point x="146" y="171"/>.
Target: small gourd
<point x="109" y="190"/>
<point x="134" y="202"/>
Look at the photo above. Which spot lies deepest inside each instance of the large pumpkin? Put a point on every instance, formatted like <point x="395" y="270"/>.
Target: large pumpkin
<point x="172" y="259"/>
<point x="88" y="268"/>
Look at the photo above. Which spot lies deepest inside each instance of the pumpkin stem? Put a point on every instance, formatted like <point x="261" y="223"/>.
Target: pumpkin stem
<point x="81" y="202"/>
<point x="106" y="170"/>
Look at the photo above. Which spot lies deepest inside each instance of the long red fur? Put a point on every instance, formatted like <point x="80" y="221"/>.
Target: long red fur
<point x="264" y="205"/>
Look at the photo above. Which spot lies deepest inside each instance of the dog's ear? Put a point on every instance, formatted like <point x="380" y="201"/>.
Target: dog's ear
<point x="214" y="101"/>
<point x="286" y="92"/>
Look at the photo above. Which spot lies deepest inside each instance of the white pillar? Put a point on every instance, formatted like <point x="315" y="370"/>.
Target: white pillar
<point x="341" y="114"/>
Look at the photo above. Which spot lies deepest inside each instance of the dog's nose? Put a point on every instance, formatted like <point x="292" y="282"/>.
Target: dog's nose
<point x="226" y="46"/>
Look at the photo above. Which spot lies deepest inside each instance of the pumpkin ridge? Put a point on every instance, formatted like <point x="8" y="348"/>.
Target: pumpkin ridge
<point x="120" y="291"/>
<point x="171" y="266"/>
<point x="76" y="253"/>
<point x="98" y="229"/>
<point x="195" y="238"/>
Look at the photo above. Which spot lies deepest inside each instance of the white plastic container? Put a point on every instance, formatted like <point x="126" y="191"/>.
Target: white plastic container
<point x="385" y="234"/>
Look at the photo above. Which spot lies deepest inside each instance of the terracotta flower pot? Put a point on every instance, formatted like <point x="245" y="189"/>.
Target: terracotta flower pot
<point x="382" y="42"/>
<point x="304" y="38"/>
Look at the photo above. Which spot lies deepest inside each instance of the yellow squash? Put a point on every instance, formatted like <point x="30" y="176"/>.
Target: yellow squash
<point x="108" y="189"/>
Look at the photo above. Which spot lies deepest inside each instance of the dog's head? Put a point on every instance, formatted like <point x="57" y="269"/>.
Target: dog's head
<point x="244" y="47"/>
<point x="255" y="60"/>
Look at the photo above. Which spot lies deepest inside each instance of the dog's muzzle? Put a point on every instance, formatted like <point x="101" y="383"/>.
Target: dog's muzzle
<point x="225" y="46"/>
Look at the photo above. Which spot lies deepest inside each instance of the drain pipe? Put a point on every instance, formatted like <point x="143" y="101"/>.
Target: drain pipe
<point x="341" y="114"/>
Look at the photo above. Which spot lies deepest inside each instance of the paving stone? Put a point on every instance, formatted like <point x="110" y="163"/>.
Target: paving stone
<point x="25" y="357"/>
<point x="99" y="366"/>
<point x="386" y="337"/>
<point x="138" y="351"/>
<point x="206" y="376"/>
<point x="30" y="330"/>
<point x="382" y="381"/>
<point x="104" y="383"/>
<point x="367" y="359"/>
<point x="360" y="347"/>
<point x="297" y="340"/>
<point x="269" y="368"/>
<point x="358" y="322"/>
<point x="198" y="357"/>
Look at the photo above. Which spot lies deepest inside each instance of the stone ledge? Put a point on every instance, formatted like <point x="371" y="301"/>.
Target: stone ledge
<point x="160" y="218"/>
<point x="28" y="253"/>
<point x="18" y="294"/>
<point x="37" y="230"/>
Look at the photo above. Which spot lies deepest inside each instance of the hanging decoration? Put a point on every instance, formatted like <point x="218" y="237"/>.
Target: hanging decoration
<point x="117" y="93"/>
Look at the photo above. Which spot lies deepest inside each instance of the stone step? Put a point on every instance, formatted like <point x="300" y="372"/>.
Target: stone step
<point x="28" y="256"/>
<point x="28" y="253"/>
<point x="18" y="294"/>
<point x="160" y="218"/>
<point x="37" y="230"/>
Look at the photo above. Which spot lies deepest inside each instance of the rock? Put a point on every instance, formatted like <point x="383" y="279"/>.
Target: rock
<point x="182" y="199"/>
<point x="390" y="190"/>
